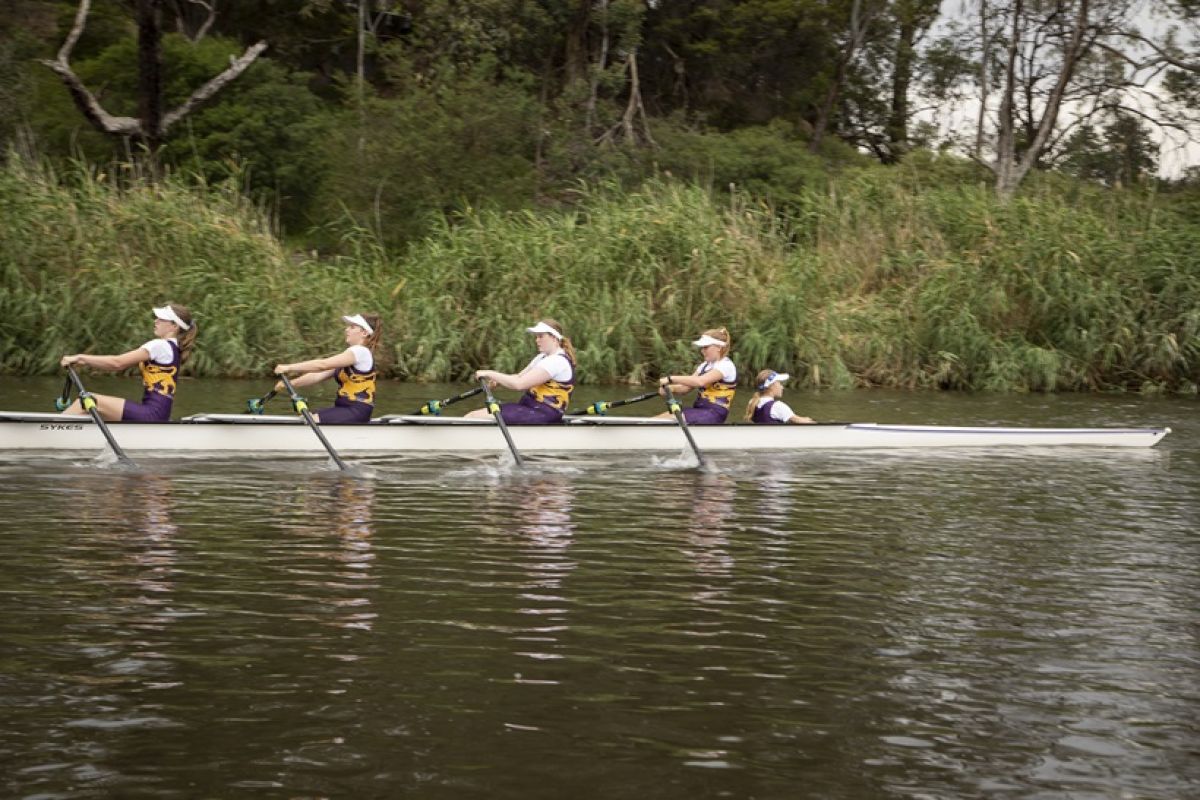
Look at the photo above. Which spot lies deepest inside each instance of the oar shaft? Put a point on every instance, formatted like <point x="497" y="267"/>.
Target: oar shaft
<point x="89" y="404"/>
<point x="602" y="406"/>
<point x="435" y="407"/>
<point x="677" y="410"/>
<point x="301" y="407"/>
<point x="494" y="407"/>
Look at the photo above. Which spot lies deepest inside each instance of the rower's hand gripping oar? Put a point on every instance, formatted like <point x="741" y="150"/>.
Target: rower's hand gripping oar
<point x="676" y="409"/>
<point x="301" y="407"/>
<point x="602" y="406"/>
<point x="434" y="407"/>
<point x="89" y="405"/>
<point x="257" y="404"/>
<point x="494" y="408"/>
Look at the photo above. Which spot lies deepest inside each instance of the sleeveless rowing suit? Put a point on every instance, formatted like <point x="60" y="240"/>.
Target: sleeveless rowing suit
<point x="713" y="401"/>
<point x="771" y="412"/>
<point x="545" y="403"/>
<point x="158" y="383"/>
<point x="355" y="401"/>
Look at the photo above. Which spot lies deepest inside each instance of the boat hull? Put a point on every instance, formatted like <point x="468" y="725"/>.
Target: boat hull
<point x="57" y="434"/>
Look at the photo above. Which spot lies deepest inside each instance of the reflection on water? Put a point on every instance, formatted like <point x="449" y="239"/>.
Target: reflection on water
<point x="828" y="625"/>
<point x="708" y="528"/>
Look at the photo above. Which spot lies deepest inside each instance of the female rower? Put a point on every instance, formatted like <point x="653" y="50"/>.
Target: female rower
<point x="159" y="360"/>
<point x="547" y="380"/>
<point x="354" y="369"/>
<point x="716" y="378"/>
<point x="766" y="408"/>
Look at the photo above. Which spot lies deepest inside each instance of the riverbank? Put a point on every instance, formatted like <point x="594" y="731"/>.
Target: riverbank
<point x="884" y="278"/>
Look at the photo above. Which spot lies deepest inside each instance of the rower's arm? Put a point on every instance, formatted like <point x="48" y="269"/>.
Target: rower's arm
<point x="109" y="363"/>
<point x="522" y="381"/>
<point x="307" y="379"/>
<point x="682" y="384"/>
<point x="346" y="358"/>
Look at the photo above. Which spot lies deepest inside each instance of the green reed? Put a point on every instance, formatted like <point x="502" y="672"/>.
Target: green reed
<point x="883" y="278"/>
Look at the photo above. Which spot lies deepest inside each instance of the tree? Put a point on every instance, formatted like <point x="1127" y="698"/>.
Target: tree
<point x="151" y="125"/>
<point x="1123" y="154"/>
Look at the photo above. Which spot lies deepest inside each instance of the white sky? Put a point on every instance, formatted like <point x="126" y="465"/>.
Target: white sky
<point x="1177" y="152"/>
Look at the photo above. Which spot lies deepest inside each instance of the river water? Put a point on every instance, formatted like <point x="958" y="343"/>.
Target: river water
<point x="834" y="625"/>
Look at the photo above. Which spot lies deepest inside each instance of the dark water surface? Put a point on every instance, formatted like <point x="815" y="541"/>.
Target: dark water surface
<point x="869" y="625"/>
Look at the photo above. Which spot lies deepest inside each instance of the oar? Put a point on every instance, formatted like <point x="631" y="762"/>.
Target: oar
<point x="602" y="406"/>
<point x="494" y="407"/>
<point x="89" y="404"/>
<point x="257" y="404"/>
<point x="435" y="407"/>
<point x="63" y="401"/>
<point x="301" y="407"/>
<point x="677" y="410"/>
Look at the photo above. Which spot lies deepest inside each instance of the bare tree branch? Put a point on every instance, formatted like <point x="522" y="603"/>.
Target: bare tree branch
<point x="91" y="109"/>
<point x="84" y="100"/>
<point x="236" y="67"/>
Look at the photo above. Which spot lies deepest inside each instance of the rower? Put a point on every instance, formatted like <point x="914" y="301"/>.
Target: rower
<point x="766" y="407"/>
<point x="716" y="378"/>
<point x="353" y="368"/>
<point x="547" y="381"/>
<point x="159" y="360"/>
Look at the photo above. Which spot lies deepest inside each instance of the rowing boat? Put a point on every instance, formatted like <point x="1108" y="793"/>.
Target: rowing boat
<point x="58" y="434"/>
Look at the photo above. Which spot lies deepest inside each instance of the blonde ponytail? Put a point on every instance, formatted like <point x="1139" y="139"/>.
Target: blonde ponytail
<point x="758" y="393"/>
<point x="565" y="341"/>
<point x="186" y="338"/>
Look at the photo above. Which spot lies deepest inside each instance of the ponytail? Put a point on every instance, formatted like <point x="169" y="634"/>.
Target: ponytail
<point x="758" y="393"/>
<point x="752" y="406"/>
<point x="375" y="321"/>
<point x="186" y="338"/>
<point x="565" y="341"/>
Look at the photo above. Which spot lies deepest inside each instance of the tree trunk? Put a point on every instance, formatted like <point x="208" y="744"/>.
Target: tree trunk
<point x="576" y="56"/>
<point x="150" y="69"/>
<point x="1006" y="156"/>
<point x="897" y="124"/>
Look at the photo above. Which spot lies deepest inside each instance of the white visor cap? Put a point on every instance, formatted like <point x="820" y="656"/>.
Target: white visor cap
<point x="774" y="377"/>
<point x="357" y="319"/>
<point x="168" y="313"/>
<point x="706" y="340"/>
<point x="542" y="327"/>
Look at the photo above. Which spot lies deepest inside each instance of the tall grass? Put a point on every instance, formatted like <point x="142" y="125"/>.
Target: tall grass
<point x="882" y="279"/>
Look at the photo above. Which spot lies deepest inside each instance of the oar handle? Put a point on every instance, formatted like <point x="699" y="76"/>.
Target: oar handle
<point x="89" y="405"/>
<point x="301" y="407"/>
<point x="494" y="407"/>
<point x="434" y="407"/>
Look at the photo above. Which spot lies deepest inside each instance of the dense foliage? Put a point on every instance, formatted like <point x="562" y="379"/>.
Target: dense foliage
<point x="640" y="171"/>
<point x="907" y="278"/>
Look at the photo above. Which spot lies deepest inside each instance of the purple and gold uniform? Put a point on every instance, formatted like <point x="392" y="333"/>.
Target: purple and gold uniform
<point x="355" y="401"/>
<point x="713" y="401"/>
<point x="158" y="381"/>
<point x="545" y="403"/>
